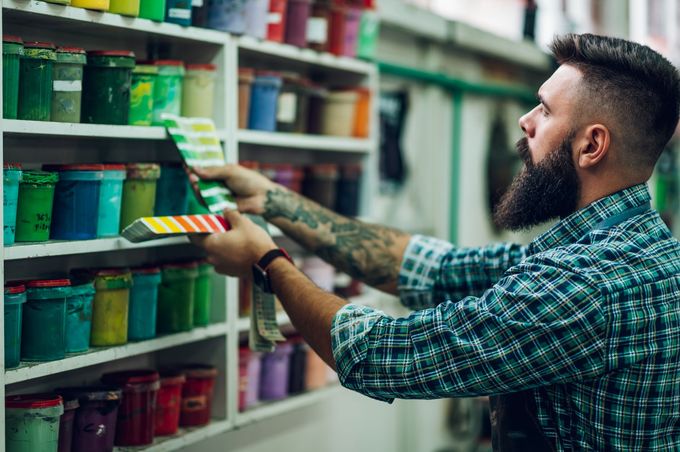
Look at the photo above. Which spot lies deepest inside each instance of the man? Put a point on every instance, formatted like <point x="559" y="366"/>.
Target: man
<point x="574" y="336"/>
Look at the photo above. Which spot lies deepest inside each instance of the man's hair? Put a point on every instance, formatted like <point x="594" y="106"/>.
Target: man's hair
<point x="629" y="83"/>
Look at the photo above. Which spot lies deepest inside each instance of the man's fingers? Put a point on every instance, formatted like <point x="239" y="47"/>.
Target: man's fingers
<point x="198" y="239"/>
<point x="214" y="172"/>
<point x="233" y="217"/>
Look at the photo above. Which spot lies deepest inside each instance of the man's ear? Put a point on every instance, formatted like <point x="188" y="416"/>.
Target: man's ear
<point x="592" y="145"/>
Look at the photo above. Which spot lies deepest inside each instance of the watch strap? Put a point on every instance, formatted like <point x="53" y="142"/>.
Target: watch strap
<point x="270" y="255"/>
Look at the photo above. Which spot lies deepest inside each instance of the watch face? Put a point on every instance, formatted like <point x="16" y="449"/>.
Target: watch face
<point x="261" y="279"/>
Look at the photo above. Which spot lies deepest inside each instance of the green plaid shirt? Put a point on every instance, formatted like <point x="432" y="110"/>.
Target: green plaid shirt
<point x="588" y="319"/>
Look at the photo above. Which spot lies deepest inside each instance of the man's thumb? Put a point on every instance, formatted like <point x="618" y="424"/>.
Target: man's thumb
<point x="233" y="217"/>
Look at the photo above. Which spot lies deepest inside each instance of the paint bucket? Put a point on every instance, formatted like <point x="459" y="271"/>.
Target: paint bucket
<point x="35" y="81"/>
<point x="110" y="307"/>
<point x="43" y="335"/>
<point x="106" y="87"/>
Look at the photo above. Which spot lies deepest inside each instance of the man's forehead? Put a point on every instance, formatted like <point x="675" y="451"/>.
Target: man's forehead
<point x="562" y="85"/>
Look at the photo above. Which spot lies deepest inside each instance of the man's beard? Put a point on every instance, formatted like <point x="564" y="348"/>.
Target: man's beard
<point x="541" y="192"/>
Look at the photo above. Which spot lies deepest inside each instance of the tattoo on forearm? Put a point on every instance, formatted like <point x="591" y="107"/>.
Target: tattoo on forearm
<point x="363" y="251"/>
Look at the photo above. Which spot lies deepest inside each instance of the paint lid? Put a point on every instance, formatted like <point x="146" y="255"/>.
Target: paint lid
<point x="90" y="393"/>
<point x="82" y="289"/>
<point x="246" y="74"/>
<point x="39" y="45"/>
<point x="78" y="50"/>
<point x="169" y="63"/>
<point x="13" y="39"/>
<point x="46" y="283"/>
<point x="75" y="167"/>
<point x="71" y="404"/>
<point x="39" y="177"/>
<point x="74" y="55"/>
<point x="201" y="67"/>
<point x="178" y="265"/>
<point x="113" y="278"/>
<point x="171" y="377"/>
<point x="143" y="171"/>
<point x="146" y="270"/>
<point x="112" y="53"/>
<point x="149" y="69"/>
<point x="114" y="167"/>
<point x="127" y="378"/>
<point x="11" y="166"/>
<point x="123" y="59"/>
<point x="14" y="288"/>
<point x="45" y="400"/>
<point x="199" y="371"/>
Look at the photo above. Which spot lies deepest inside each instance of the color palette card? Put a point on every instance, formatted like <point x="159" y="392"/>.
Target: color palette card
<point x="150" y="228"/>
<point x="199" y="146"/>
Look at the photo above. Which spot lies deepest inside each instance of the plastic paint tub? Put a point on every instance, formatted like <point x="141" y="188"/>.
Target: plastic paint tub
<point x="110" y="199"/>
<point x="15" y="297"/>
<point x="176" y="297"/>
<point x="143" y="303"/>
<point x="99" y="5"/>
<point x="178" y="12"/>
<point x="32" y="422"/>
<point x="338" y="113"/>
<point x="318" y="25"/>
<point x="245" y="81"/>
<point x="256" y="18"/>
<point x="43" y="335"/>
<point x="336" y="34"/>
<point x="275" y="372"/>
<point x="316" y="375"/>
<point x="124" y="7"/>
<point x="141" y="95"/>
<point x="167" y="92"/>
<point x="66" y="424"/>
<point x="227" y="15"/>
<point x="10" y="196"/>
<point x="198" y="90"/>
<point x="320" y="184"/>
<point x="362" y="120"/>
<point x="263" y="101"/>
<point x="67" y="84"/>
<point x="296" y="22"/>
<point x="139" y="192"/>
<point x="293" y="104"/>
<point x="276" y="22"/>
<point x="169" y="403"/>
<point x="298" y="367"/>
<point x="172" y="191"/>
<point x="35" y="81"/>
<point x="203" y="294"/>
<point x="249" y="363"/>
<point x="197" y="395"/>
<point x="110" y="307"/>
<point x="348" y="187"/>
<point x="106" y="87"/>
<point x="76" y="199"/>
<point x="12" y="50"/>
<point x="79" y="318"/>
<point x="34" y="206"/>
<point x="351" y="36"/>
<point x="152" y="9"/>
<point x="94" y="426"/>
<point x="136" y="412"/>
<point x="317" y="99"/>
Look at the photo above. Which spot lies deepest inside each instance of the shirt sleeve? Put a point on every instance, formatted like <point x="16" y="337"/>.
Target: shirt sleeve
<point x="537" y="326"/>
<point x="434" y="270"/>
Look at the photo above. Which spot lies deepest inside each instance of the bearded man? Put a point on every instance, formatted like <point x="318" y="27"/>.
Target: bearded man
<point x="575" y="336"/>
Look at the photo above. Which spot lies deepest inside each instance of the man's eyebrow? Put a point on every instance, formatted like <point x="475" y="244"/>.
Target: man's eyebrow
<point x="542" y="101"/>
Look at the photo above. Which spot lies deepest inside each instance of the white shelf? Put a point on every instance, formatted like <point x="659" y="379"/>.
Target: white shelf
<point x="29" y="371"/>
<point x="243" y="323"/>
<point x="59" y="248"/>
<point x="270" y="409"/>
<point x="184" y="437"/>
<point x="299" y="141"/>
<point x="289" y="52"/>
<point x="38" y="13"/>
<point x="64" y="129"/>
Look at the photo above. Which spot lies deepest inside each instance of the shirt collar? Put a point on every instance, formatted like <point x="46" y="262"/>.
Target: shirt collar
<point x="572" y="228"/>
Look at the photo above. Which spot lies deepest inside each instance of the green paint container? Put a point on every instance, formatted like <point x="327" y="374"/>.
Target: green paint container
<point x="15" y="297"/>
<point x="33" y="422"/>
<point x="141" y="95"/>
<point x="176" y="297"/>
<point x="106" y="87"/>
<point x="34" y="208"/>
<point x="12" y="50"/>
<point x="79" y="318"/>
<point x="167" y="93"/>
<point x="203" y="294"/>
<point x="43" y="336"/>
<point x="124" y="7"/>
<point x="67" y="86"/>
<point x="139" y="192"/>
<point x="110" y="307"/>
<point x="152" y="9"/>
<point x="35" y="81"/>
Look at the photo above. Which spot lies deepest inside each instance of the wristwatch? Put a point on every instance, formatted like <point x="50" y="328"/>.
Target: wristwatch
<point x="260" y="275"/>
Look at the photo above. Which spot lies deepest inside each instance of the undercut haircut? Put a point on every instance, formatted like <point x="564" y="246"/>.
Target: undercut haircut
<point x="631" y="85"/>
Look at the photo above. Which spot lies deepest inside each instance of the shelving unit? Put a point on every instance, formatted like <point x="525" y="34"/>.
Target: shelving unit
<point x="35" y="142"/>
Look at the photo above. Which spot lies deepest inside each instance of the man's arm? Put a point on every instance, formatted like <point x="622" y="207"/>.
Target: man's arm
<point x="368" y="252"/>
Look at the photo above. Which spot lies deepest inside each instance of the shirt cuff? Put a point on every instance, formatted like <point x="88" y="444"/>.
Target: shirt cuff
<point x="350" y="331"/>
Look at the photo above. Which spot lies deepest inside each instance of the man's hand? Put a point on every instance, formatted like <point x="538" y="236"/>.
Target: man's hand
<point x="234" y="252"/>
<point x="249" y="187"/>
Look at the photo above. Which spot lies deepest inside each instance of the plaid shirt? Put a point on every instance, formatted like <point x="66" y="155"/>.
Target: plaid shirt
<point x="588" y="319"/>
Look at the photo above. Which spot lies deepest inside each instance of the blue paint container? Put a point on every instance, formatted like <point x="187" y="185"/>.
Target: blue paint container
<point x="10" y="196"/>
<point x="79" y="318"/>
<point x="110" y="198"/>
<point x="143" y="303"/>
<point x="263" y="101"/>
<point x="178" y="12"/>
<point x="76" y="202"/>
<point x="227" y="15"/>
<point x="172" y="191"/>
